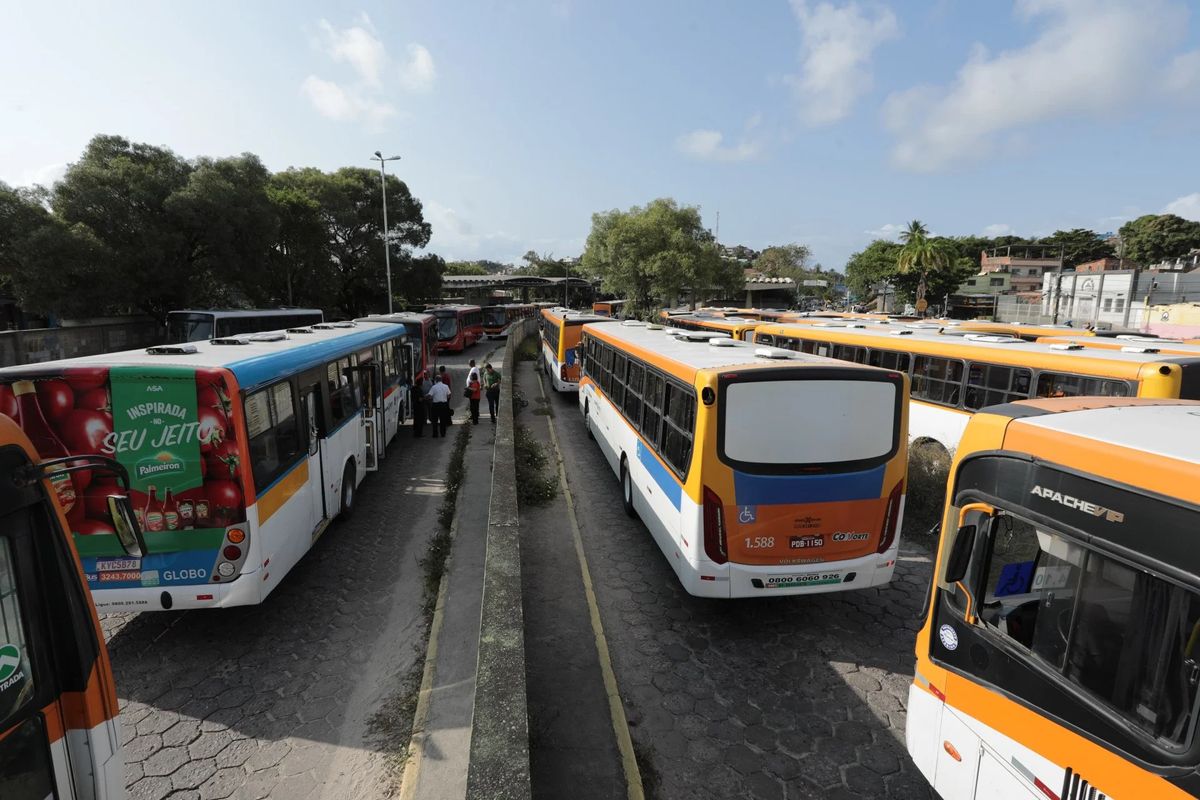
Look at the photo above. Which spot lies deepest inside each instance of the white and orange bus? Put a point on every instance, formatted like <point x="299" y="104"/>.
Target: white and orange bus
<point x="1059" y="657"/>
<point x="58" y="706"/>
<point x="759" y="471"/>
<point x="240" y="452"/>
<point x="560" y="345"/>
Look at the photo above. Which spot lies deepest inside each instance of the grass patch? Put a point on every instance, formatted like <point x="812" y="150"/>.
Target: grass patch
<point x="928" y="469"/>
<point x="534" y="487"/>
<point x="529" y="349"/>
<point x="390" y="728"/>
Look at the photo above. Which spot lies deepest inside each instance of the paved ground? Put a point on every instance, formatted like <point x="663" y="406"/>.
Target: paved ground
<point x="277" y="700"/>
<point x="769" y="698"/>
<point x="573" y="750"/>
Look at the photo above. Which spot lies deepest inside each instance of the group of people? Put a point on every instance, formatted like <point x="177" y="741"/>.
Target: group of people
<point x="431" y="398"/>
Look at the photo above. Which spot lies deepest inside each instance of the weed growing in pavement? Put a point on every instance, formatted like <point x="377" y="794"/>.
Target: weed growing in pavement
<point x="928" y="469"/>
<point x="528" y="349"/>
<point x="534" y="486"/>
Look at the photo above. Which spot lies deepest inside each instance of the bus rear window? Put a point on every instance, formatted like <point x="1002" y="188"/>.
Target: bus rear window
<point x="809" y="422"/>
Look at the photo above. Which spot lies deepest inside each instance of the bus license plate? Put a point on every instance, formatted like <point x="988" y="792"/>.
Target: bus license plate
<point x="807" y="579"/>
<point x="118" y="564"/>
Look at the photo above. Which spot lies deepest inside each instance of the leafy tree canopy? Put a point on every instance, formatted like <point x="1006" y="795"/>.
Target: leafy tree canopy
<point x="1155" y="237"/>
<point x="1079" y="246"/>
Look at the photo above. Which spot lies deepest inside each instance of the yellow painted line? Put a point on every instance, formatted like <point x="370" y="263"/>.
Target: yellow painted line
<point x="616" y="710"/>
<point x="416" y="746"/>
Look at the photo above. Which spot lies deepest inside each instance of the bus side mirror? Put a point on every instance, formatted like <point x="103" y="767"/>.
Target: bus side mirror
<point x="125" y="523"/>
<point x="960" y="556"/>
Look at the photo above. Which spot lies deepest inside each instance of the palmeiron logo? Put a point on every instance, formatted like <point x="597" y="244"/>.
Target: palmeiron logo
<point x="1078" y="504"/>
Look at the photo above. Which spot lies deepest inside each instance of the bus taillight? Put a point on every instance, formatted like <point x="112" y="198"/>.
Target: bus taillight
<point x="890" y="518"/>
<point x="714" y="528"/>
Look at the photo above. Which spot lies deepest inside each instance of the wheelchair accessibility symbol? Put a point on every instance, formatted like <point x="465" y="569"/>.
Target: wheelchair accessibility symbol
<point x="747" y="514"/>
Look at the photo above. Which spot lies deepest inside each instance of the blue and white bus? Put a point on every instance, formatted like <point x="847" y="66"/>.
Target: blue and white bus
<point x="240" y="452"/>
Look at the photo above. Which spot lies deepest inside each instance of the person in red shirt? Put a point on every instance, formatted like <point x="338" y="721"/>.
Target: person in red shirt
<point x="474" y="388"/>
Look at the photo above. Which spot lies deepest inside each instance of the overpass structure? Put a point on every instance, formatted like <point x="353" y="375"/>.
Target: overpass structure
<point x="485" y="289"/>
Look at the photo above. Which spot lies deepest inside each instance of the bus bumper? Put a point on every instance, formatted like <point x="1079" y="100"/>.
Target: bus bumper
<point x="745" y="580"/>
<point x="243" y="591"/>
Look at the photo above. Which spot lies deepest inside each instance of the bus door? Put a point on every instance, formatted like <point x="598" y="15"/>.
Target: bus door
<point x="371" y="381"/>
<point x="310" y="398"/>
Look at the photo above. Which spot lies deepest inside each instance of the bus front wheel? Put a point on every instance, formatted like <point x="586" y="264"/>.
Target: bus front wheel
<point x="627" y="489"/>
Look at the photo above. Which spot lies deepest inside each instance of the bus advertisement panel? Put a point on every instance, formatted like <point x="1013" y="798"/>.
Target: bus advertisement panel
<point x="176" y="432"/>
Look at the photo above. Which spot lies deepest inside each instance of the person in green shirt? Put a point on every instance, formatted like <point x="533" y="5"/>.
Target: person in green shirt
<point x="491" y="386"/>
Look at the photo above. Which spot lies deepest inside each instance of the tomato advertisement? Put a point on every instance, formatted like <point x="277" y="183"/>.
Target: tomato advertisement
<point x="172" y="429"/>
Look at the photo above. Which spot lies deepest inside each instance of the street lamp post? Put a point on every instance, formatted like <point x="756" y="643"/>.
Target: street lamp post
<point x="387" y="243"/>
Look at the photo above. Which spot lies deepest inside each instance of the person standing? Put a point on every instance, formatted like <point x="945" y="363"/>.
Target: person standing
<point x="445" y="376"/>
<point x="473" y="389"/>
<point x="472" y="371"/>
<point x="491" y="384"/>
<point x="420" y="403"/>
<point x="439" y="396"/>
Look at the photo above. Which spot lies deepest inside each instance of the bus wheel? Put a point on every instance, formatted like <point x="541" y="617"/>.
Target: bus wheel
<point x="347" y="509"/>
<point x="627" y="489"/>
<point x="587" y="423"/>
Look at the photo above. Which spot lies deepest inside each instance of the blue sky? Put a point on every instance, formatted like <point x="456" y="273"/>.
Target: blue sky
<point x="825" y="123"/>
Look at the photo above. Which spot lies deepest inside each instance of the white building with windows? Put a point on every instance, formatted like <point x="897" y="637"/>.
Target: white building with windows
<point x="1103" y="299"/>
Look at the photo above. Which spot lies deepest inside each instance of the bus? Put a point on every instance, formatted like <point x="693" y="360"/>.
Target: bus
<point x="240" y="452"/>
<point x="458" y="326"/>
<point x="955" y="374"/>
<point x="497" y="320"/>
<point x="609" y="308"/>
<point x="191" y="325"/>
<point x="736" y="327"/>
<point x="560" y="340"/>
<point x="759" y="471"/>
<point x="1022" y="330"/>
<point x="422" y="334"/>
<point x="59" y="735"/>
<point x="1058" y="653"/>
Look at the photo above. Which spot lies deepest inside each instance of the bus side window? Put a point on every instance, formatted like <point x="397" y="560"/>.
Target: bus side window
<point x="343" y="391"/>
<point x="274" y="429"/>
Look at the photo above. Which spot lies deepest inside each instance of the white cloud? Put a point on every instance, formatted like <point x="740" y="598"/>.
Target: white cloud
<point x="1091" y="58"/>
<point x="707" y="145"/>
<point x="838" y="41"/>
<point x="457" y="238"/>
<point x="1187" y="206"/>
<point x="1183" y="74"/>
<point x="334" y="102"/>
<point x="889" y="231"/>
<point x="998" y="229"/>
<point x="417" y="73"/>
<point x="358" y="47"/>
<point x="376" y="73"/>
<point x="41" y="176"/>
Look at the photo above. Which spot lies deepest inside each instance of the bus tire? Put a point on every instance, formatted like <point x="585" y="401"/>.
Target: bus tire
<point x="348" y="492"/>
<point x="627" y="489"/>
<point x="587" y="423"/>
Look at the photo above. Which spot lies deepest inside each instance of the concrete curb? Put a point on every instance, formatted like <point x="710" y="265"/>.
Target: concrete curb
<point x="499" y="763"/>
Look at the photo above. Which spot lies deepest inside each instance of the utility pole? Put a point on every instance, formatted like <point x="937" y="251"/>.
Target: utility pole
<point x="387" y="241"/>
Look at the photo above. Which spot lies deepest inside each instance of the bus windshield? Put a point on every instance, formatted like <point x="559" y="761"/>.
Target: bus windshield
<point x="189" y="327"/>
<point x="447" y="327"/>
<point x="781" y="423"/>
<point x="1127" y="638"/>
<point x="494" y="315"/>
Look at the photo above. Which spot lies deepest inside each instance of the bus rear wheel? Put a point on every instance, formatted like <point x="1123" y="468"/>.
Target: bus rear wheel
<point x="587" y="423"/>
<point x="627" y="489"/>
<point x="347" y="505"/>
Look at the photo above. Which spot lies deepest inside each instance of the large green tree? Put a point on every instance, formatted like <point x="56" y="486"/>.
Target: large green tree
<point x="1155" y="237"/>
<point x="871" y="265"/>
<point x="1078" y="246"/>
<point x="656" y="253"/>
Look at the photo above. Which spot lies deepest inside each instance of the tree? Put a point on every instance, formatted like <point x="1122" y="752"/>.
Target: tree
<point x="921" y="255"/>
<point x="1155" y="237"/>
<point x="871" y="265"/>
<point x="658" y="253"/>
<point x="1079" y="246"/>
<point x="463" y="268"/>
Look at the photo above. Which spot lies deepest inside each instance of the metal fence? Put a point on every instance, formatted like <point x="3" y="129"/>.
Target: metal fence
<point x="1015" y="309"/>
<point x="49" y="344"/>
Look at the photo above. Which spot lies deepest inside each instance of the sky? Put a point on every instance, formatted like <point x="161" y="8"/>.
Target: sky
<point x="823" y="123"/>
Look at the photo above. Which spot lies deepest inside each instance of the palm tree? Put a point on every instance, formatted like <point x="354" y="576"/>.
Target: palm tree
<point x="921" y="254"/>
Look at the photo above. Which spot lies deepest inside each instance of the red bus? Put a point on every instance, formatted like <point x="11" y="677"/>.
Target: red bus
<point x="422" y="332"/>
<point x="498" y="319"/>
<point x="458" y="327"/>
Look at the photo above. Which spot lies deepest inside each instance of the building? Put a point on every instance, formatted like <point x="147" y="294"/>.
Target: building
<point x="998" y="282"/>
<point x="1025" y="263"/>
<point x="1107" y="264"/>
<point x="1104" y="299"/>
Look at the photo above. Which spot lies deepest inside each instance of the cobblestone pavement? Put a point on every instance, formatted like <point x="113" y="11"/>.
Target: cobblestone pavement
<point x="277" y="700"/>
<point x="786" y="697"/>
